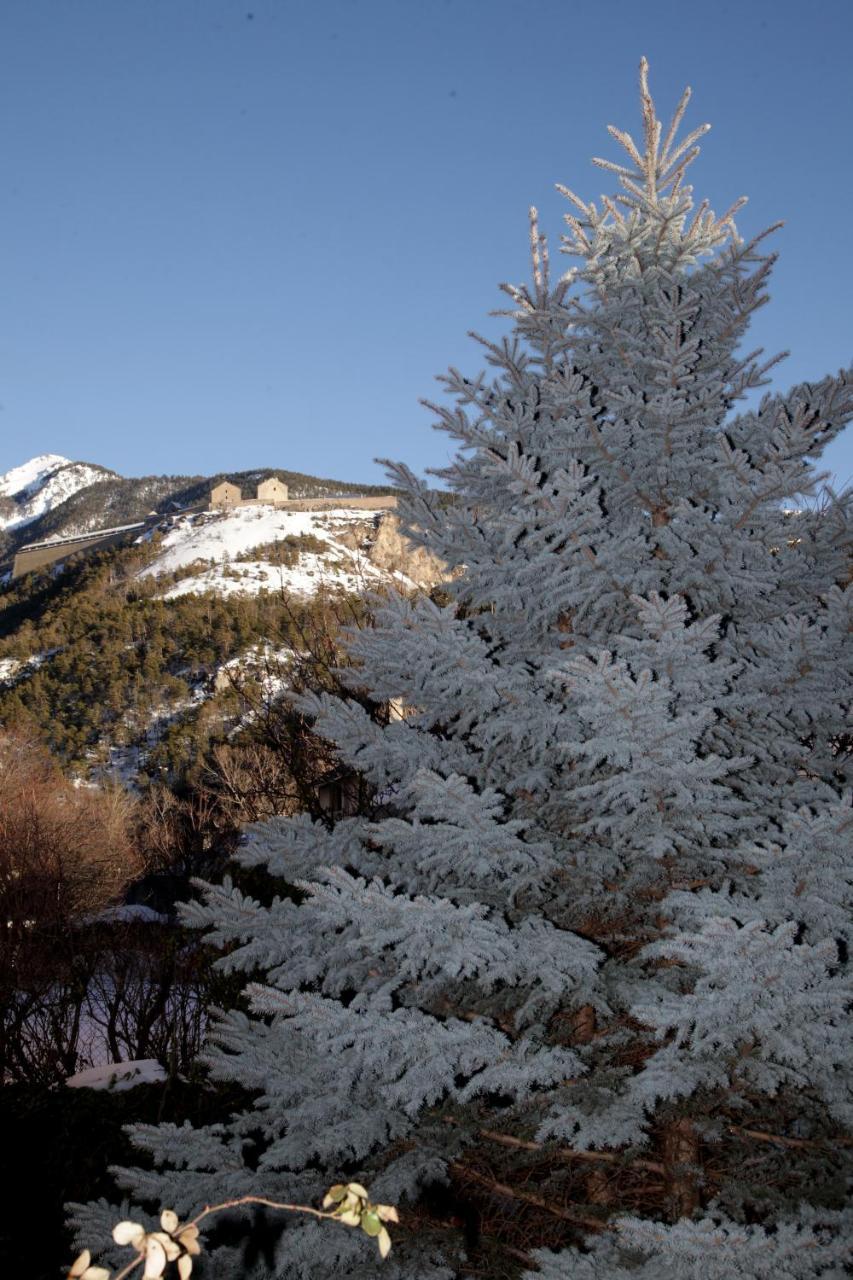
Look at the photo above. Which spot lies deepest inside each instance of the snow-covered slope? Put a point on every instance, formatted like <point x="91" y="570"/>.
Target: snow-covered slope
<point x="38" y="486"/>
<point x="30" y="475"/>
<point x="336" y="551"/>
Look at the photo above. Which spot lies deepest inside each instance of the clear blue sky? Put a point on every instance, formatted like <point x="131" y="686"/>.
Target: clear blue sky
<point x="250" y="234"/>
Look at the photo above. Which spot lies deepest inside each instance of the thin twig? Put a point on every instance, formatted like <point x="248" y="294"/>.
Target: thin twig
<point x="802" y="1143"/>
<point x="568" y="1153"/>
<point x="269" y="1204"/>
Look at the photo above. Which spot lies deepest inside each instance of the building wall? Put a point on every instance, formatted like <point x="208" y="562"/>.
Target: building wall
<point x="257" y="502"/>
<point x="272" y="490"/>
<point x="225" y="495"/>
<point x="385" y="502"/>
<point x="29" y="559"/>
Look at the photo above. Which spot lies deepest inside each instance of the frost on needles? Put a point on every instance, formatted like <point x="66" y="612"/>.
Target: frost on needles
<point x="588" y="948"/>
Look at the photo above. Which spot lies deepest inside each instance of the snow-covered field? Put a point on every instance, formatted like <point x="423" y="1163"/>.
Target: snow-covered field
<point x="214" y="540"/>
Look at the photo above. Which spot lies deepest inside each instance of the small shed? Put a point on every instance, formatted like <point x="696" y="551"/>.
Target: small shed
<point x="226" y="494"/>
<point x="272" y="490"/>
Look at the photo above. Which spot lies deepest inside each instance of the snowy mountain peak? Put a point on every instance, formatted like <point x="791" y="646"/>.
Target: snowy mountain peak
<point x="31" y="475"/>
<point x="44" y="482"/>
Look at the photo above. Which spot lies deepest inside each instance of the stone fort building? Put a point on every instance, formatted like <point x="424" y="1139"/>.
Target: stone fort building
<point x="226" y="495"/>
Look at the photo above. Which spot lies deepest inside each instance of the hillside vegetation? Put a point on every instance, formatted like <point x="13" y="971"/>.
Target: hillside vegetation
<point x="107" y="672"/>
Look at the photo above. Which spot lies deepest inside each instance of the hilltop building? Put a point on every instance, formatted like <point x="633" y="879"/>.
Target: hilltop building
<point x="272" y="490"/>
<point x="226" y="495"/>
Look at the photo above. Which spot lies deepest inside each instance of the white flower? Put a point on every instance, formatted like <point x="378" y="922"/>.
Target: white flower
<point x="156" y="1254"/>
<point x="187" y="1238"/>
<point x="82" y="1270"/>
<point x="129" y="1233"/>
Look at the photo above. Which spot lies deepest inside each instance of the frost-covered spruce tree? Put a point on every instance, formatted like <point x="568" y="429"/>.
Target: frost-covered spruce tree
<point x="585" y="960"/>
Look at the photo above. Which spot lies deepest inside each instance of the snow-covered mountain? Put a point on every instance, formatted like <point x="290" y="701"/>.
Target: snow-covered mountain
<point x="52" y="497"/>
<point x="29" y="475"/>
<point x="244" y="551"/>
<point x="42" y="484"/>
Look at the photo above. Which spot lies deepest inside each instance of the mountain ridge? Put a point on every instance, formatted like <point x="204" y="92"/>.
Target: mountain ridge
<point x="52" y="496"/>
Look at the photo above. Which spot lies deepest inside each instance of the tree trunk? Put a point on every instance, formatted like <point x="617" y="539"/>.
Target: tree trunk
<point x="583" y="1025"/>
<point x="681" y="1158"/>
<point x="598" y="1187"/>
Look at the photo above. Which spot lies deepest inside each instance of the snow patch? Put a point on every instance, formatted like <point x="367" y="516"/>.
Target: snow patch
<point x="118" y="1076"/>
<point x="9" y="668"/>
<point x="14" y="669"/>
<point x="269" y="667"/>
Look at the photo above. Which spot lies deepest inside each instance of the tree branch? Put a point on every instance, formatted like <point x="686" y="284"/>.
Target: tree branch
<point x="567" y="1153"/>
<point x="528" y="1197"/>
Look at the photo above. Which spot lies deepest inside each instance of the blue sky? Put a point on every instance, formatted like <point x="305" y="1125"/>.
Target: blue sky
<point x="250" y="234"/>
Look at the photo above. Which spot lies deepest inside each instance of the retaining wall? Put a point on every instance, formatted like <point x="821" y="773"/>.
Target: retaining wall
<point x="41" y="554"/>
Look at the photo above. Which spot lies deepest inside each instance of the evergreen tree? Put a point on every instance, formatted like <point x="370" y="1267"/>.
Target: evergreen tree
<point x="598" y="923"/>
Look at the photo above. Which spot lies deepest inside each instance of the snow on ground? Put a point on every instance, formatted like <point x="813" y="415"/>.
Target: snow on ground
<point x="117" y="1076"/>
<point x="14" y="669"/>
<point x="253" y="576"/>
<point x="87" y="1025"/>
<point x="268" y="667"/>
<point x="123" y="765"/>
<point x="9" y="668"/>
<point x="265" y="663"/>
<point x="220" y="538"/>
<point x="123" y="762"/>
